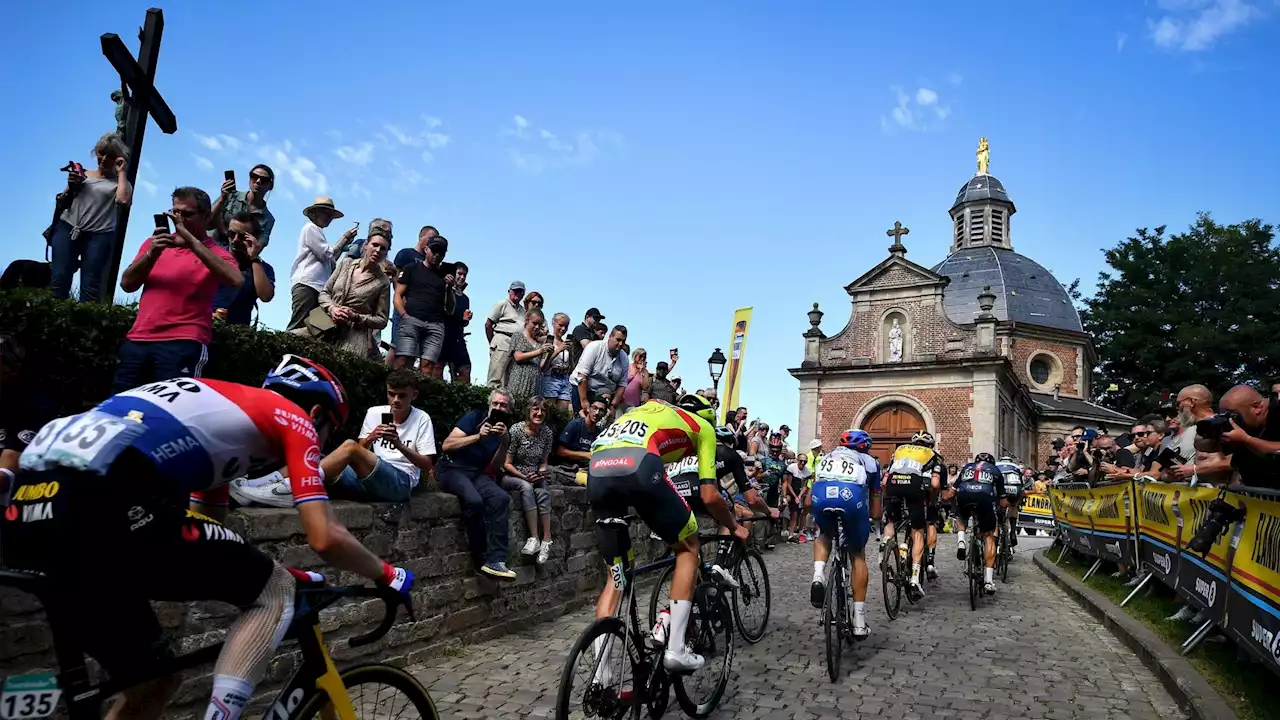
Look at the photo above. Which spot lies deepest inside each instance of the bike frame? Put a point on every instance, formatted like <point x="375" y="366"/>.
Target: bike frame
<point x="316" y="674"/>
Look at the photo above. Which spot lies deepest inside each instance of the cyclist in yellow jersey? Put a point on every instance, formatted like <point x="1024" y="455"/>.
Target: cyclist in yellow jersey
<point x="915" y="470"/>
<point x="627" y="470"/>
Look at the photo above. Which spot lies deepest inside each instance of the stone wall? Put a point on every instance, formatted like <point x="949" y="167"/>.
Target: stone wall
<point x="452" y="603"/>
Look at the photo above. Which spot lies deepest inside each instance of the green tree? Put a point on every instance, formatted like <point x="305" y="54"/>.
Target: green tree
<point x="1197" y="307"/>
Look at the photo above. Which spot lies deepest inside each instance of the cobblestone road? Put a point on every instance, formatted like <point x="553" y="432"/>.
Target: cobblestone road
<point x="1029" y="652"/>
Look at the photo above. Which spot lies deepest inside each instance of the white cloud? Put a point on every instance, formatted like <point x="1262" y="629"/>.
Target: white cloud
<point x="427" y="157"/>
<point x="584" y="148"/>
<point x="436" y="140"/>
<point x="253" y="137"/>
<point x="1121" y="39"/>
<point x="432" y="121"/>
<point x="521" y="123"/>
<point x="297" y="169"/>
<point x="1196" y="25"/>
<point x="921" y="111"/>
<point x="401" y="136"/>
<point x="202" y="162"/>
<point x="208" y="141"/>
<point x="230" y="143"/>
<point x="360" y="190"/>
<point x="149" y="186"/>
<point x="359" y="155"/>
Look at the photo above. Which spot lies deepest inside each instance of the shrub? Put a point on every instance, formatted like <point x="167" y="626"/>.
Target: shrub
<point x="71" y="358"/>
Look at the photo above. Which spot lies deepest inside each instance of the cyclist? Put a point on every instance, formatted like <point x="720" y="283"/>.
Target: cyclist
<point x="977" y="488"/>
<point x="1012" y="494"/>
<point x="849" y="479"/>
<point x="105" y="517"/>
<point x="627" y="470"/>
<point x="915" y="470"/>
<point x="934" y="518"/>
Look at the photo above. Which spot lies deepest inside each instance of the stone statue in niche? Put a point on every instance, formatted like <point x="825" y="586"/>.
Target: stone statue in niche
<point x="895" y="342"/>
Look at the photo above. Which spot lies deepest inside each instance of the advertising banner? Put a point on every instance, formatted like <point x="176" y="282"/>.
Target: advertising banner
<point x="1202" y="582"/>
<point x="1253" y="605"/>
<point x="1071" y="508"/>
<point x="733" y="371"/>
<point x="1158" y="543"/>
<point x="1112" y="524"/>
<point x="1036" y="512"/>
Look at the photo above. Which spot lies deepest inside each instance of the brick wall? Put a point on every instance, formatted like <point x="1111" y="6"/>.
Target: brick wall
<point x="452" y="603"/>
<point x="1044" y="447"/>
<point x="949" y="407"/>
<point x="929" y="333"/>
<point x="1025" y="348"/>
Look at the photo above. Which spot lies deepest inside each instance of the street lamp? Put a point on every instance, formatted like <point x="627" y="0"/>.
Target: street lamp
<point x="715" y="364"/>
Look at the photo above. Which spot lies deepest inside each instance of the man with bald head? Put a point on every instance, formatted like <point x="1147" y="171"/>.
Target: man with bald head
<point x="1255" y="439"/>
<point x="1194" y="403"/>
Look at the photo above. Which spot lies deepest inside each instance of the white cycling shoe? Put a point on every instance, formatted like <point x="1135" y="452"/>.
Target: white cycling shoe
<point x="989" y="588"/>
<point x="725" y="577"/>
<point x="683" y="660"/>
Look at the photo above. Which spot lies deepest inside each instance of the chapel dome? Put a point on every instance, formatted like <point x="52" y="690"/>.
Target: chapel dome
<point x="1025" y="291"/>
<point x="981" y="187"/>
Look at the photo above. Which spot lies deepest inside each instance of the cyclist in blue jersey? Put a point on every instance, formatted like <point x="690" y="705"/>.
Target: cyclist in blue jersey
<point x="977" y="489"/>
<point x="849" y="479"/>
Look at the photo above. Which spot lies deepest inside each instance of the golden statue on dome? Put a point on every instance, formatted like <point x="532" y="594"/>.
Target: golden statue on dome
<point x="984" y="156"/>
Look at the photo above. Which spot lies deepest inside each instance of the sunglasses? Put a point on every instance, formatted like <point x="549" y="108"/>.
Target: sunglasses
<point x="241" y="236"/>
<point x="536" y="303"/>
<point x="256" y="177"/>
<point x="183" y="213"/>
<point x="519" y="293"/>
<point x="1076" y="437"/>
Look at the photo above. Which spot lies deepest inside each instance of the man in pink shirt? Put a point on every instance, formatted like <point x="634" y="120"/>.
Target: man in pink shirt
<point x="178" y="273"/>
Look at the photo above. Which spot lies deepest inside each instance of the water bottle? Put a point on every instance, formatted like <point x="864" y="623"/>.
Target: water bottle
<point x="902" y="550"/>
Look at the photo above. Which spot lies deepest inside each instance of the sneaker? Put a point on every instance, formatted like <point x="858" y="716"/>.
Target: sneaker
<point x="682" y="660"/>
<point x="531" y="546"/>
<point x="1183" y="615"/>
<point x="960" y="548"/>
<point x="989" y="588"/>
<point x="817" y="593"/>
<point x="544" y="552"/>
<point x="725" y="577"/>
<point x="931" y="573"/>
<point x="498" y="570"/>
<point x="272" y="493"/>
<point x="1199" y="618"/>
<point x="786" y="535"/>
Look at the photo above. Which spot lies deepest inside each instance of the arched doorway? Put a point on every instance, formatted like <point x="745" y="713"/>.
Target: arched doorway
<point x="890" y="426"/>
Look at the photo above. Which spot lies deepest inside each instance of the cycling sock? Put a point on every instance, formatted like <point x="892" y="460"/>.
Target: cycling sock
<point x="933" y="556"/>
<point x="230" y="695"/>
<point x="819" y="568"/>
<point x="679" y="623"/>
<point x="859" y="610"/>
<point x="989" y="574"/>
<point x="960" y="537"/>
<point x="915" y="572"/>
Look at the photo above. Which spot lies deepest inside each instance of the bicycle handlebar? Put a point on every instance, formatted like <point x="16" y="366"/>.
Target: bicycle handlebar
<point x="392" y="600"/>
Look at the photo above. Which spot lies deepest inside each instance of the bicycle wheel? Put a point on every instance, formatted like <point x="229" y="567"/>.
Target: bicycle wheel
<point x="974" y="566"/>
<point x="661" y="595"/>
<point x="890" y="578"/>
<point x="407" y="693"/>
<point x="833" y="620"/>
<point x="1005" y="555"/>
<point x="751" y="600"/>
<point x="711" y="629"/>
<point x="602" y="698"/>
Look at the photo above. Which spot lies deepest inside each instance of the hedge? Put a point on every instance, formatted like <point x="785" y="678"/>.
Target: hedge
<point x="71" y="357"/>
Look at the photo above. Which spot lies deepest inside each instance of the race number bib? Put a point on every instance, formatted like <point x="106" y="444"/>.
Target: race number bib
<point x="29" y="696"/>
<point x="683" y="486"/>
<point x="841" y="470"/>
<point x="628" y="431"/>
<point x="89" y="441"/>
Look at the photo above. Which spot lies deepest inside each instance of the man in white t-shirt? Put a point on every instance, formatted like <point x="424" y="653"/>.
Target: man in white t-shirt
<point x="388" y="460"/>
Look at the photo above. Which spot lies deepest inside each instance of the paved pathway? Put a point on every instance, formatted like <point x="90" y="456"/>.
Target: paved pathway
<point x="1029" y="652"/>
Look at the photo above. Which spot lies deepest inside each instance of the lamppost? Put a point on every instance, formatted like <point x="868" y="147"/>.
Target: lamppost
<point x="715" y="365"/>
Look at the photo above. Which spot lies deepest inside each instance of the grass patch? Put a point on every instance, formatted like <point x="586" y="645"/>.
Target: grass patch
<point x="1246" y="686"/>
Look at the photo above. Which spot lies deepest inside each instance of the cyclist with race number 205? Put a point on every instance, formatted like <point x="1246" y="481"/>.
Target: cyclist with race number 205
<point x="100" y="506"/>
<point x="848" y="479"/>
<point x="628" y="470"/>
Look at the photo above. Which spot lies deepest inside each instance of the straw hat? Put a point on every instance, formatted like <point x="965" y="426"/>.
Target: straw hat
<point x="323" y="203"/>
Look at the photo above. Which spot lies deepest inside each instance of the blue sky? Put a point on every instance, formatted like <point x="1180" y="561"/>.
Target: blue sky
<point x="670" y="162"/>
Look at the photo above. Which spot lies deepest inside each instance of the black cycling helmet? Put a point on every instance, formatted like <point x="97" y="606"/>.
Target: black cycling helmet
<point x="725" y="436"/>
<point x="984" y="457"/>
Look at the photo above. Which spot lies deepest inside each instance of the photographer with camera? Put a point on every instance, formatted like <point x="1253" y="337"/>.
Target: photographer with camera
<point x="1248" y="425"/>
<point x="85" y="231"/>
<point x="1179" y="461"/>
<point x="1110" y="462"/>
<point x="1077" y="455"/>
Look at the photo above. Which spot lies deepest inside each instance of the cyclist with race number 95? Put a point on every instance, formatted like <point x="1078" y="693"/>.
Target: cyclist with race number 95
<point x="100" y="506"/>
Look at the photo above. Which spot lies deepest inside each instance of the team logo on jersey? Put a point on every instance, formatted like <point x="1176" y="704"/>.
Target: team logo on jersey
<point x="846" y="494"/>
<point x="26" y="436"/>
<point x="312" y="458"/>
<point x="613" y="462"/>
<point x="833" y="492"/>
<point x="134" y="415"/>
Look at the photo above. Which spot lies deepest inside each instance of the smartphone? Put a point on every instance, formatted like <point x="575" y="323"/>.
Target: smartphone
<point x="675" y="351"/>
<point x="498" y="416"/>
<point x="387" y="419"/>
<point x="162" y="221"/>
<point x="229" y="175"/>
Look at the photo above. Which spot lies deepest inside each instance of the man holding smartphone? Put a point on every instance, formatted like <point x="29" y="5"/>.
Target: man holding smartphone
<point x="231" y="202"/>
<point x="236" y="305"/>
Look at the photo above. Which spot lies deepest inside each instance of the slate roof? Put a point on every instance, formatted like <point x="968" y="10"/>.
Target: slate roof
<point x="1077" y="408"/>
<point x="1025" y="291"/>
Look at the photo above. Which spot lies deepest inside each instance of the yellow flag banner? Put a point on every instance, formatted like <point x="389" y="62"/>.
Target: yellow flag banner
<point x="1202" y="582"/>
<point x="737" y="353"/>
<point x="1036" y="512"/>
<point x="1253" y="605"/>
<point x="1159" y="546"/>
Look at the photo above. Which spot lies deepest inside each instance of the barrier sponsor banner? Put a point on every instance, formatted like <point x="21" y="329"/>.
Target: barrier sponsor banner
<point x="737" y="354"/>
<point x="1112" y="524"/>
<point x="1071" y="508"/>
<point x="1036" y="512"/>
<point x="1253" y="605"/>
<point x="1158" y="542"/>
<point x="1202" y="582"/>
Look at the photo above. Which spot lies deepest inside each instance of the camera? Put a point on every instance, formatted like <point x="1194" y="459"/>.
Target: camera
<point x="1214" y="426"/>
<point x="1058" y="444"/>
<point x="1217" y="520"/>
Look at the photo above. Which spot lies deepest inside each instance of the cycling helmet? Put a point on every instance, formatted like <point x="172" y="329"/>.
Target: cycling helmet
<point x="308" y="384"/>
<point x="984" y="457"/>
<point x="856" y="439"/>
<point x="725" y="436"/>
<point x="699" y="406"/>
<point x="923" y="437"/>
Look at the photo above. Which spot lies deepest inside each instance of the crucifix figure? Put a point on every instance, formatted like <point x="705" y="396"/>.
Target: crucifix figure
<point x="138" y="98"/>
<point x="896" y="233"/>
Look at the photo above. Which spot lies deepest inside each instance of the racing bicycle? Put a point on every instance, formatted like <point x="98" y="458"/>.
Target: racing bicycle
<point x="974" y="564"/>
<point x="895" y="570"/>
<point x="837" y="611"/>
<point x="316" y="687"/>
<point x="1004" y="552"/>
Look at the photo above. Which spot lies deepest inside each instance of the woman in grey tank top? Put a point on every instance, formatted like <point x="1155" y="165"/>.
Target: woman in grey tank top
<point x="83" y="236"/>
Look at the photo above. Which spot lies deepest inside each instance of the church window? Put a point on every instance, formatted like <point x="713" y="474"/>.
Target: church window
<point x="1040" y="369"/>
<point x="1044" y="371"/>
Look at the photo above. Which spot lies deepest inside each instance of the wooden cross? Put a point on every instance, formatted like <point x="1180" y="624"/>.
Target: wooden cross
<point x="143" y="100"/>
<point x="897" y="232"/>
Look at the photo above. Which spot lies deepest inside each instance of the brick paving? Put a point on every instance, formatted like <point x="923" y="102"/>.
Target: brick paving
<point x="1029" y="652"/>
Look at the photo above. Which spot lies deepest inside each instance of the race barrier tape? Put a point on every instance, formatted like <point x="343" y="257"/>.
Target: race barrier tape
<point x="1235" y="585"/>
